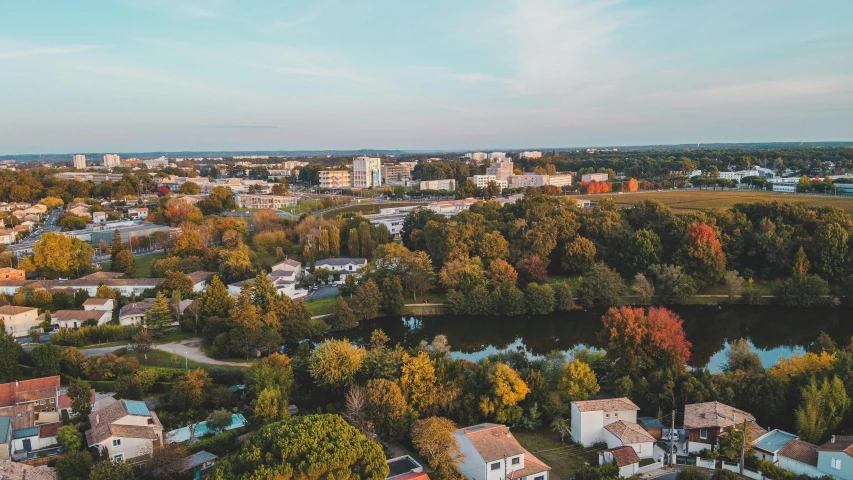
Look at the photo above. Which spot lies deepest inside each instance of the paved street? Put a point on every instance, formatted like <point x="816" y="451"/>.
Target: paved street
<point x="89" y="352"/>
<point x="192" y="350"/>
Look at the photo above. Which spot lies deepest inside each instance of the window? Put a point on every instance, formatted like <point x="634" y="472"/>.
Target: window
<point x="119" y="457"/>
<point x="117" y="442"/>
<point x="836" y="463"/>
<point x="516" y="460"/>
<point x="495" y="466"/>
<point x="703" y="433"/>
<point x="41" y="402"/>
<point x="606" y="415"/>
<point x="616" y="414"/>
<point x="51" y="400"/>
<point x="540" y="477"/>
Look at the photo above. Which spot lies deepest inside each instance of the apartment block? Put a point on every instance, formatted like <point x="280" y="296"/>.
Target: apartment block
<point x="332" y="179"/>
<point x="366" y="172"/>
<point x="264" y="201"/>
<point x="79" y="161"/>
<point x="502" y="169"/>
<point x="112" y="160"/>
<point x="533" y="154"/>
<point x="482" y="181"/>
<point x="448" y="184"/>
<point x="594" y="177"/>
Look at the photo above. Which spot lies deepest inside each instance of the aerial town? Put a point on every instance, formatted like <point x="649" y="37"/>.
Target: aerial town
<point x="525" y="315"/>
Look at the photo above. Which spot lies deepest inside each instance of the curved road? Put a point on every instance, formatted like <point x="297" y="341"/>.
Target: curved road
<point x="192" y="350"/>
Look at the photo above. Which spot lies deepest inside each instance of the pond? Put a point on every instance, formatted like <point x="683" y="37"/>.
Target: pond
<point x="774" y="332"/>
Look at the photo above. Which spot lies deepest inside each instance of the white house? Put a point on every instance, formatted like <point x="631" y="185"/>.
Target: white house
<point x="19" y="320"/>
<point x="623" y="457"/>
<point x="799" y="457"/>
<point x="591" y="416"/>
<point x="347" y="266"/>
<point x="199" y="281"/>
<point x="627" y="434"/>
<point x="126" y="429"/>
<point x="288" y="270"/>
<point x="490" y="452"/>
<point x="768" y="446"/>
<point x="134" y="313"/>
<point x="77" y="318"/>
<point x="101" y="304"/>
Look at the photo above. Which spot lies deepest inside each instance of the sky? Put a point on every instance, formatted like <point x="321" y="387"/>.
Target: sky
<point x="182" y="75"/>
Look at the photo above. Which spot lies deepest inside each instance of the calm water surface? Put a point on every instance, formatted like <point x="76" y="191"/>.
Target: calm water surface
<point x="773" y="332"/>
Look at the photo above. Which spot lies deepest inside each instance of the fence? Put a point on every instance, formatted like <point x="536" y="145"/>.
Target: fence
<point x="746" y="472"/>
<point x="650" y="467"/>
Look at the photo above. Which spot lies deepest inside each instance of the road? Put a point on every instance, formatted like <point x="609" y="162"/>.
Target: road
<point x="89" y="352"/>
<point x="191" y="349"/>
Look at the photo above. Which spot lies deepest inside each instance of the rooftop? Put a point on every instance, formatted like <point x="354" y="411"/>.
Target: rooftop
<point x="606" y="405"/>
<point x="713" y="415"/>
<point x="838" y="443"/>
<point x="14" y="309"/>
<point x="624" y="456"/>
<point x="800" y="451"/>
<point x="650" y="422"/>
<point x="97" y="301"/>
<point x="340" y="261"/>
<point x="773" y="441"/>
<point x="492" y="441"/>
<point x="195" y="460"/>
<point x="22" y="471"/>
<point x="628" y="432"/>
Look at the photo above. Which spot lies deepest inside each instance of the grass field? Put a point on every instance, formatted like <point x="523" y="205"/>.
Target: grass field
<point x="320" y="307"/>
<point x="366" y="208"/>
<point x="706" y="199"/>
<point x="564" y="458"/>
<point x="301" y="206"/>
<point x="159" y="358"/>
<point x="143" y="265"/>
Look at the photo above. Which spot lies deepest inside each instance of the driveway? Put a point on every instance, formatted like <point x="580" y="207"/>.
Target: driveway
<point x="325" y="291"/>
<point x="101" y="351"/>
<point x="192" y="350"/>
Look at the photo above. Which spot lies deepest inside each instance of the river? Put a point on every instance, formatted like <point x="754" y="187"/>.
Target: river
<point x="774" y="332"/>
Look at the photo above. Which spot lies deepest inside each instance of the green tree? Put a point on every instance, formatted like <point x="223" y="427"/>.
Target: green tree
<point x="392" y="296"/>
<point x="80" y="394"/>
<point x="46" y="358"/>
<point x="216" y="302"/>
<point x="642" y="289"/>
<point x="801" y="263"/>
<point x="644" y="250"/>
<point x="822" y="409"/>
<point x="386" y="407"/>
<point x="335" y="449"/>
<point x="159" y="317"/>
<point x="672" y="285"/>
<point x="10" y="354"/>
<point x="70" y="438"/>
<point x="334" y="363"/>
<point x="125" y="262"/>
<point x="112" y="470"/>
<point x="690" y="473"/>
<point x="218" y="420"/>
<point x="117" y="246"/>
<point x="563" y="297"/>
<point x="366" y="300"/>
<point x="578" y="382"/>
<point x="830" y="245"/>
<point x="352" y="243"/>
<point x="540" y="299"/>
<point x="56" y="255"/>
<point x="601" y="287"/>
<point x="74" y="466"/>
<point x="579" y="255"/>
<point x="467" y="189"/>
<point x="271" y="383"/>
<point x="246" y="320"/>
<point x="802" y="291"/>
<point x="341" y="316"/>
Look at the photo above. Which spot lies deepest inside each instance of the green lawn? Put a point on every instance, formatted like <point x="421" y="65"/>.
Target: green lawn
<point x="159" y="358"/>
<point x="301" y="206"/>
<point x="564" y="458"/>
<point x="177" y="337"/>
<point x="143" y="265"/>
<point x="320" y="307"/>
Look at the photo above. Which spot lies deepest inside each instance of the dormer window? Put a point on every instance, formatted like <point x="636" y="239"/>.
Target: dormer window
<point x="516" y="460"/>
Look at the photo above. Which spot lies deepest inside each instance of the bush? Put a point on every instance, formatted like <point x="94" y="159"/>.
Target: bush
<point x="221" y="445"/>
<point x="802" y="291"/>
<point x="92" y="335"/>
<point x="225" y="376"/>
<point x="691" y="473"/>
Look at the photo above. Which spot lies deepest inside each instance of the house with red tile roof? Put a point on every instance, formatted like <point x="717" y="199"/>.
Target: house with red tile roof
<point x="623" y="457"/>
<point x="589" y="418"/>
<point x="489" y="451"/>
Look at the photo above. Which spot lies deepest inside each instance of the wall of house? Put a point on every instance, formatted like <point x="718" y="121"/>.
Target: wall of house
<point x="20" y="324"/>
<point x="470" y="462"/>
<point x="628" y="471"/>
<point x="130" y="447"/>
<point x="697" y="444"/>
<point x="824" y="464"/>
<point x="131" y="319"/>
<point x="587" y="427"/>
<point x="799" y="468"/>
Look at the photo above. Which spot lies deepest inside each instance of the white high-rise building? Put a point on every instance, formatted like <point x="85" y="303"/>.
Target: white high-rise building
<point x="112" y="160"/>
<point x="80" y="162"/>
<point x="502" y="169"/>
<point x="497" y="155"/>
<point x="531" y="154"/>
<point x="366" y="172"/>
<point x="477" y="156"/>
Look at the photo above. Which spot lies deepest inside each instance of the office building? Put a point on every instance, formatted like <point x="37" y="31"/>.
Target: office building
<point x="334" y="179"/>
<point x="112" y="160"/>
<point x="477" y="156"/>
<point x="264" y="201"/>
<point x="448" y="184"/>
<point x="594" y="177"/>
<point x="366" y="172"/>
<point x="531" y="154"/>
<point x="80" y="162"/>
<point x="497" y="155"/>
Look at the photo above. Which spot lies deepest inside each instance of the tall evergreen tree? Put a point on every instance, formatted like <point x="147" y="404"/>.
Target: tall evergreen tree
<point x="158" y="318"/>
<point x="216" y="302"/>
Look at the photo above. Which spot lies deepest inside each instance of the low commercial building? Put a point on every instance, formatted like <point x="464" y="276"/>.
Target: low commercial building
<point x="447" y="184"/>
<point x="264" y="201"/>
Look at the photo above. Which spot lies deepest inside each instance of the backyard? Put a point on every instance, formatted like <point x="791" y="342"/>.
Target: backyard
<point x="564" y="458"/>
<point x="143" y="265"/>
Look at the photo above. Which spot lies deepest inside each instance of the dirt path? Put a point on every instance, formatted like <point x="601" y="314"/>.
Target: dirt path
<point x="192" y="349"/>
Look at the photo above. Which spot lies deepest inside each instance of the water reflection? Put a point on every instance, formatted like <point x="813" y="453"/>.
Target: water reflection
<point x="774" y="332"/>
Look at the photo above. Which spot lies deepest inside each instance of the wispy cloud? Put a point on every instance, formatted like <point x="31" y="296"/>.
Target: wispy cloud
<point x="10" y="53"/>
<point x="209" y="9"/>
<point x="479" y="78"/>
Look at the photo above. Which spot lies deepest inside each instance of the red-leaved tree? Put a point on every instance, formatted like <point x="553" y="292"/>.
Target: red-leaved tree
<point x="641" y="341"/>
<point x="701" y="255"/>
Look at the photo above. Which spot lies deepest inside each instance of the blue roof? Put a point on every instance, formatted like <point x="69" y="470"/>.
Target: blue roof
<point x="25" y="432"/>
<point x="135" y="407"/>
<point x="650" y="422"/>
<point x="774" y="441"/>
<point x="5" y="426"/>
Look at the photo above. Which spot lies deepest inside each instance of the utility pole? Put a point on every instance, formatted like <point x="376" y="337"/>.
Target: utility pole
<point x="672" y="441"/>
<point x="743" y="448"/>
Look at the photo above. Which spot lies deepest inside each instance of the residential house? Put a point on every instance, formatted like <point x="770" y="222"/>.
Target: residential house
<point x="652" y="425"/>
<point x="89" y="283"/>
<point x="134" y="313"/>
<point x="65" y="401"/>
<point x="589" y="418"/>
<point x="490" y="452"/>
<point x="127" y="430"/>
<point x="623" y="457"/>
<point x="99" y="304"/>
<point x="27" y="226"/>
<point x="705" y="423"/>
<point x="835" y="457"/>
<point x="32" y="436"/>
<point x="199" y="280"/>
<point x="198" y="464"/>
<point x="75" y="319"/>
<point x="42" y="393"/>
<point x="768" y="446"/>
<point x="288" y="269"/>
<point x="800" y="458"/>
<point x="79" y="209"/>
<point x="8" y="236"/>
<point x="99" y="217"/>
<point x="347" y="266"/>
<point x="9" y="273"/>
<point x="19" y="320"/>
<point x="138" y="213"/>
<point x="621" y="433"/>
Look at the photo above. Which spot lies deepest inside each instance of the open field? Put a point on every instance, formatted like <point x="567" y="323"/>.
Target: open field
<point x="706" y="199"/>
<point x="320" y="307"/>
<point x="143" y="265"/>
<point x="564" y="458"/>
<point x="301" y="206"/>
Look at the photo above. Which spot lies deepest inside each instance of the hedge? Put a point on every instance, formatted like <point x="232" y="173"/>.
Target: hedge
<point x="220" y="445"/>
<point x="93" y="335"/>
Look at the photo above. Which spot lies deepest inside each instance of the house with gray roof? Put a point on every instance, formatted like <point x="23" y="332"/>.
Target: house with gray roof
<point x="126" y="429"/>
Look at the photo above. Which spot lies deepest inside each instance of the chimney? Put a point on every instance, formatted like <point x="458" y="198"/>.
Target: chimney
<point x="832" y="440"/>
<point x="97" y="419"/>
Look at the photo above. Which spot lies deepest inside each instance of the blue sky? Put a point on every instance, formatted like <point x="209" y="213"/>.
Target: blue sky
<point x="171" y="75"/>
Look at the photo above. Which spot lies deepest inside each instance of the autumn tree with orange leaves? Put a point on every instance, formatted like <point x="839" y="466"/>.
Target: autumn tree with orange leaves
<point x="701" y="255"/>
<point x="641" y="341"/>
<point x="631" y="185"/>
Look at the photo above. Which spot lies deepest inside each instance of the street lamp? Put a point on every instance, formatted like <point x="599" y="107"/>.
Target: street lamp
<point x="186" y="361"/>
